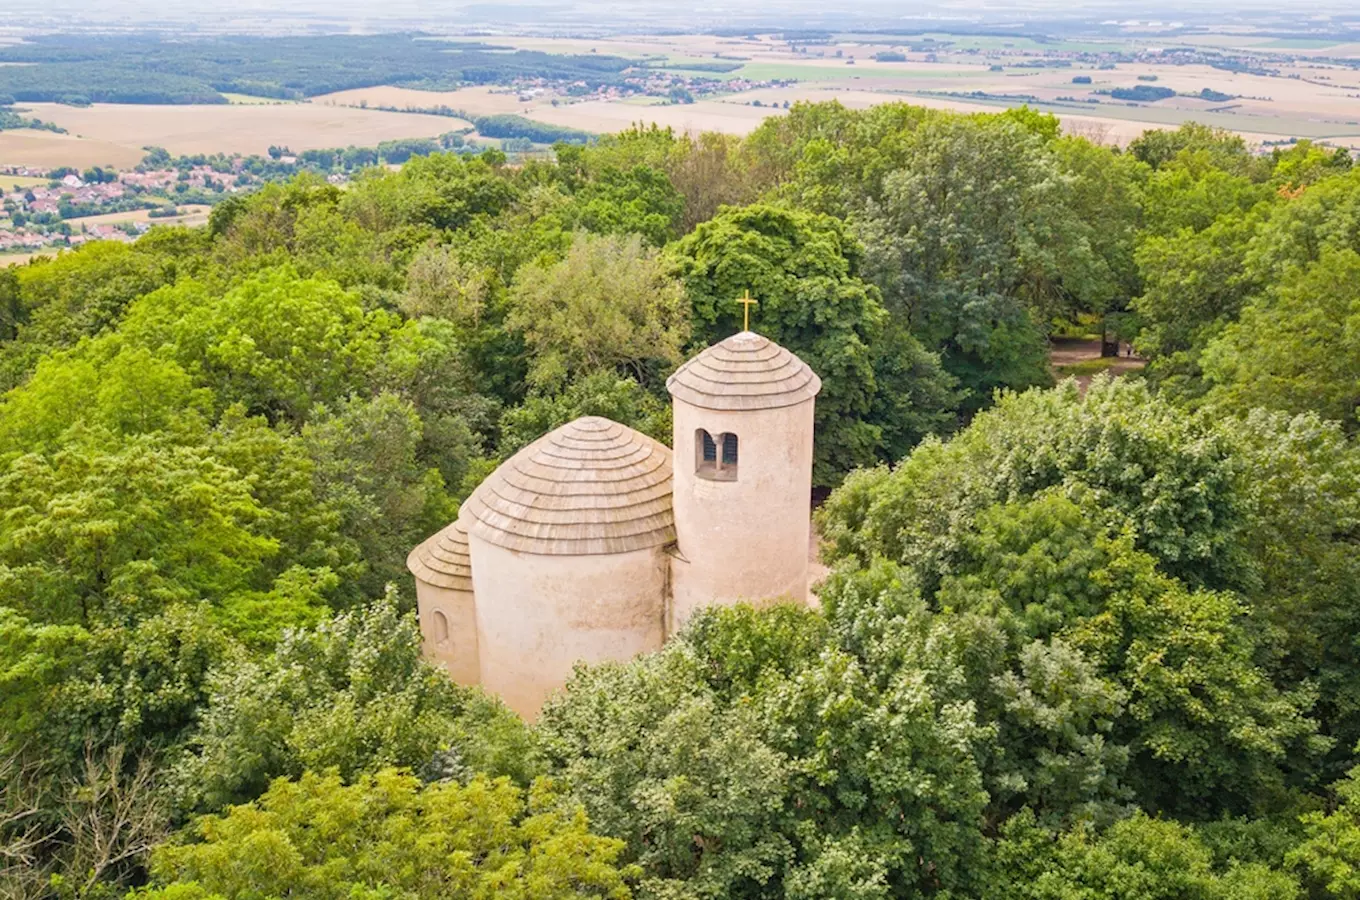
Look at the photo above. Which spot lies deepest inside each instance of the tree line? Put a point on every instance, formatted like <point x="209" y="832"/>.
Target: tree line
<point x="1076" y="642"/>
<point x="143" y="68"/>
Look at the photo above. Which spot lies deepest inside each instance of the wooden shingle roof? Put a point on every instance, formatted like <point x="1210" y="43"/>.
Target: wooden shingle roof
<point x="592" y="486"/>
<point x="745" y="371"/>
<point x="443" y="559"/>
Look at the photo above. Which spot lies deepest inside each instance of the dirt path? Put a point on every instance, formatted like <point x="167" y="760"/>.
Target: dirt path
<point x="1081" y="359"/>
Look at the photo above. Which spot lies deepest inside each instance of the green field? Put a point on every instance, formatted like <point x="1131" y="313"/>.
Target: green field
<point x="20" y="182"/>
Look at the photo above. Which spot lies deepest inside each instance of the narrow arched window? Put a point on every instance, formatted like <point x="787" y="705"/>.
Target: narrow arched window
<point x="441" y="627"/>
<point x="715" y="458"/>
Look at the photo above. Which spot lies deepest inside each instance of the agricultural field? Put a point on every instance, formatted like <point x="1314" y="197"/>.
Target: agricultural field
<point x="481" y="101"/>
<point x="1306" y="88"/>
<point x="20" y="182"/>
<point x="15" y="259"/>
<point x="190" y="214"/>
<point x="45" y="149"/>
<point x="1306" y="99"/>
<point x="116" y="133"/>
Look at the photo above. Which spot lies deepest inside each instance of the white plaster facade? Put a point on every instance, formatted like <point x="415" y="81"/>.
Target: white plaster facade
<point x="743" y="539"/>
<point x="595" y="542"/>
<point x="541" y="614"/>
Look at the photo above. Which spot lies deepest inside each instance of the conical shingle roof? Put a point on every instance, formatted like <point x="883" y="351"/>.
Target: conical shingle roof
<point x="591" y="487"/>
<point x="745" y="371"/>
<point x="443" y="559"/>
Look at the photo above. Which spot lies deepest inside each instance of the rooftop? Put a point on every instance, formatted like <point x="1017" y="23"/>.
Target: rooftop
<point x="592" y="486"/>
<point x="744" y="372"/>
<point x="443" y="559"/>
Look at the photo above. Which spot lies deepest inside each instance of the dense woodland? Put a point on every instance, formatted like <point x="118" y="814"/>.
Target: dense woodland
<point x="146" y="68"/>
<point x="1076" y="644"/>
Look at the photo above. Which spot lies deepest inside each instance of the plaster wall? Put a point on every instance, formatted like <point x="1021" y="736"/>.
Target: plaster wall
<point x="538" y="615"/>
<point x="457" y="652"/>
<point x="744" y="539"/>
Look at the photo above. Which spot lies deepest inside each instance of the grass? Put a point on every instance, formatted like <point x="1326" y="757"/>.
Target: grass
<point x="249" y="100"/>
<point x="16" y="258"/>
<point x="21" y="182"/>
<point x="1088" y="366"/>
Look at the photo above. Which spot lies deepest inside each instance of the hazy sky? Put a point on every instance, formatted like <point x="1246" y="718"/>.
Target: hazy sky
<point x="578" y="15"/>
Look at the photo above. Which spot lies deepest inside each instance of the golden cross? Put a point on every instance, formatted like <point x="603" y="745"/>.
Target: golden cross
<point x="746" y="301"/>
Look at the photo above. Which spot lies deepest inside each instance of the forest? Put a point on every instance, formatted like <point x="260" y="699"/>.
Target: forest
<point x="144" y="68"/>
<point x="1078" y="640"/>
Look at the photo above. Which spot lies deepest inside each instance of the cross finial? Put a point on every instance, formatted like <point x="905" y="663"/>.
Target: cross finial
<point x="747" y="301"/>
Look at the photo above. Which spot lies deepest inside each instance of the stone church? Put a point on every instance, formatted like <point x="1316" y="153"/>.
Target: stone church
<point x="596" y="542"/>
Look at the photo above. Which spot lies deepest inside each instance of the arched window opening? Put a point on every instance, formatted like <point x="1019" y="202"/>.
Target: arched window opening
<point x="441" y="627"/>
<point x="715" y="459"/>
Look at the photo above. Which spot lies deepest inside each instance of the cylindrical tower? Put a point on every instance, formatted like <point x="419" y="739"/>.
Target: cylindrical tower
<point x="445" y="602"/>
<point x="568" y="540"/>
<point x="743" y="475"/>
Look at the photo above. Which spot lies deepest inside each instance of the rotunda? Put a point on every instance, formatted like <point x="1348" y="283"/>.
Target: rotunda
<point x="568" y="540"/>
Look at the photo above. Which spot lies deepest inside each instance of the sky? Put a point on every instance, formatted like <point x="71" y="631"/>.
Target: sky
<point x="604" y="16"/>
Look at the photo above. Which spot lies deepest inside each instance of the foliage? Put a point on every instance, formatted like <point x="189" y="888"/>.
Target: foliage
<point x="1297" y="348"/>
<point x="1099" y="642"/>
<point x="387" y="833"/>
<point x="967" y="244"/>
<point x="804" y="272"/>
<point x="352" y="694"/>
<point x="149" y="69"/>
<point x="608" y="306"/>
<point x="744" y="757"/>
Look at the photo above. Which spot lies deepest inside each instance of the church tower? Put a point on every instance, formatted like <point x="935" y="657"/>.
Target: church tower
<point x="742" y="475"/>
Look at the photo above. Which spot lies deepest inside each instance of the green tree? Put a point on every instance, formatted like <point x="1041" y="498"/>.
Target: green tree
<point x="767" y="754"/>
<point x="804" y="271"/>
<point x="1160" y="146"/>
<point x="1141" y="457"/>
<point x="1329" y="854"/>
<point x="1297" y="346"/>
<point x="1140" y="857"/>
<point x="602" y="394"/>
<point x="352" y="694"/>
<point x="277" y="343"/>
<point x="608" y="305"/>
<point x="387" y="834"/>
<point x="969" y="247"/>
<point x="100" y="531"/>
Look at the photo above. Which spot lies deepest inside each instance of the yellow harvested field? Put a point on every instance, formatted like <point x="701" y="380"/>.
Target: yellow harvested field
<point x="191" y="214"/>
<point x="606" y="116"/>
<point x="235" y="129"/>
<point x="475" y="101"/>
<point x="16" y="259"/>
<point x="43" y="149"/>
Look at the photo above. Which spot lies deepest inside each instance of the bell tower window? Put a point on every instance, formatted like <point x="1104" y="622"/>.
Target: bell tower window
<point x="715" y="458"/>
<point x="441" y="627"/>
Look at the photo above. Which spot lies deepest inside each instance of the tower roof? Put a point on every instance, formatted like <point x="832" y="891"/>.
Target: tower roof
<point x="443" y="559"/>
<point x="745" y="371"/>
<point x="591" y="487"/>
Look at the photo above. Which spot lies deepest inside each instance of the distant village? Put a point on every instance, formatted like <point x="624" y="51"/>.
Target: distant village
<point x="58" y="214"/>
<point x="63" y="207"/>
